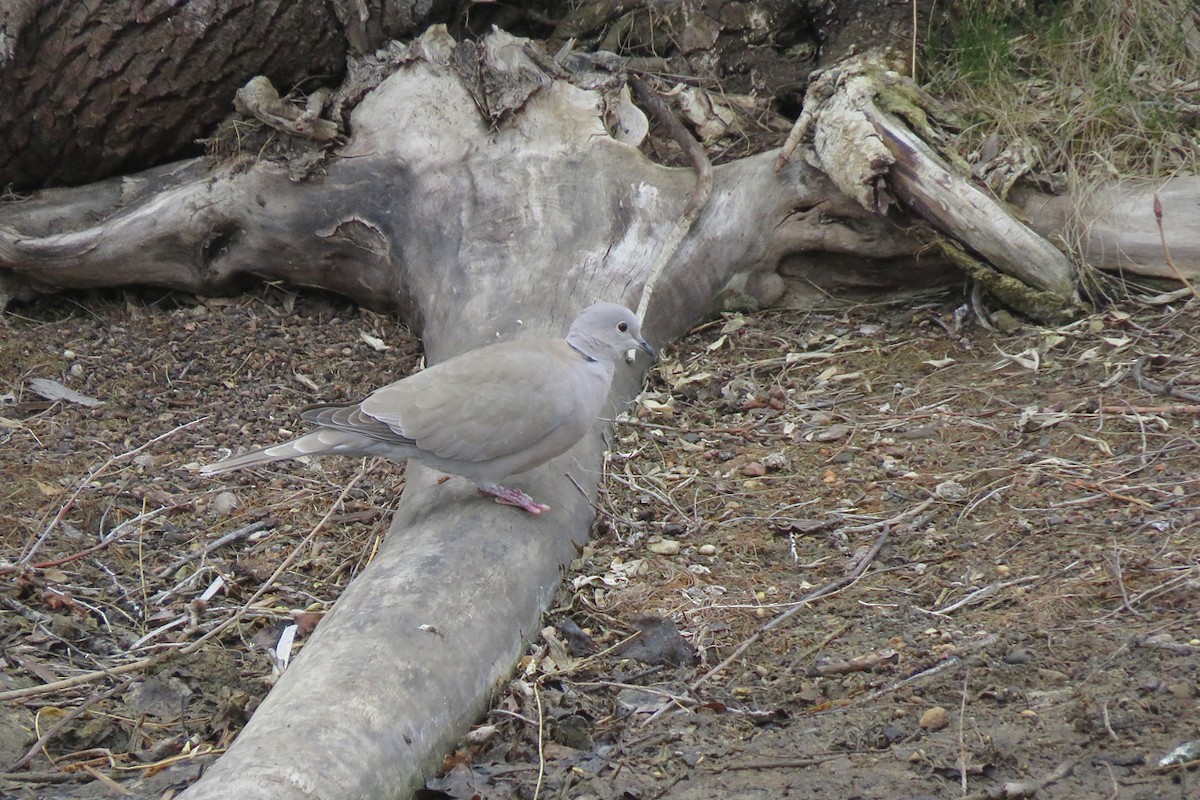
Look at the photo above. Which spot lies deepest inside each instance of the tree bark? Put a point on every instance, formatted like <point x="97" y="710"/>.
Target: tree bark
<point x="95" y="89"/>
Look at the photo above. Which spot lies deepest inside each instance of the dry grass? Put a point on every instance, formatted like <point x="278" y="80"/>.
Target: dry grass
<point x="1082" y="89"/>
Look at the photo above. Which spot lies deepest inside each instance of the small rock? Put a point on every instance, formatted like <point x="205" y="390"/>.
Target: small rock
<point x="1183" y="690"/>
<point x="934" y="719"/>
<point x="225" y="503"/>
<point x="1005" y="321"/>
<point x="832" y="433"/>
<point x="658" y="641"/>
<point x="1022" y="655"/>
<point x="951" y="490"/>
<point x="774" y="462"/>
<point x="707" y="550"/>
<point x="664" y="547"/>
<point x="481" y="734"/>
<point x="1053" y="677"/>
<point x="753" y="469"/>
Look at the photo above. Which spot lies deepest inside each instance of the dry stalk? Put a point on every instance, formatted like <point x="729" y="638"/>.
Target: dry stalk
<point x="541" y="742"/>
<point x="700" y="194"/>
<point x="1162" y="237"/>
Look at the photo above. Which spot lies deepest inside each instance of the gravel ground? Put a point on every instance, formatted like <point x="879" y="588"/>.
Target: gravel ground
<point x="879" y="553"/>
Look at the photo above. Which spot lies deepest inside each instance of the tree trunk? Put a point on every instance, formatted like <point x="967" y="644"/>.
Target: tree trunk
<point x="97" y="89"/>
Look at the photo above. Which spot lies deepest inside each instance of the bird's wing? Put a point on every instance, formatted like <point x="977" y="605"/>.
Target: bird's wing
<point x="488" y="403"/>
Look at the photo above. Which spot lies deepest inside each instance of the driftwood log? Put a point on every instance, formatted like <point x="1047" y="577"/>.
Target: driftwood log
<point x="480" y="204"/>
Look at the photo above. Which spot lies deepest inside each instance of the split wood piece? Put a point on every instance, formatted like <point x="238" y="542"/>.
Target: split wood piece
<point x="956" y="207"/>
<point x="259" y="99"/>
<point x="852" y="114"/>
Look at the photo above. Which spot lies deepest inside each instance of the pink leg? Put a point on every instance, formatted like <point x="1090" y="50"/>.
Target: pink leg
<point x="514" y="497"/>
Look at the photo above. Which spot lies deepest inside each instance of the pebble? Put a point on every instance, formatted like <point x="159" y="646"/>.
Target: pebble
<point x="224" y="503"/>
<point x="951" y="490"/>
<point x="707" y="550"/>
<point x="753" y="469"/>
<point x="664" y="547"/>
<point x="934" y="719"/>
<point x="774" y="462"/>
<point x="832" y="433"/>
<point x="1005" y="321"/>
<point x="1022" y="655"/>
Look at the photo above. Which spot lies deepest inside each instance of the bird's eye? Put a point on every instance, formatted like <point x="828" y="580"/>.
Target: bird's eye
<point x="623" y="327"/>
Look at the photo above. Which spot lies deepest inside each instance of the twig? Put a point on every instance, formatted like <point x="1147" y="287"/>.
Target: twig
<point x="44" y="777"/>
<point x="939" y="667"/>
<point x="1121" y="586"/>
<point x="962" y="744"/>
<point x="1162" y="237"/>
<point x="1172" y="409"/>
<point x="596" y="506"/>
<point x="1014" y="790"/>
<point x="828" y="588"/>
<point x="233" y="536"/>
<point x="113" y="535"/>
<point x="783" y="763"/>
<point x="1155" y="387"/>
<point x="698" y="198"/>
<point x="981" y="594"/>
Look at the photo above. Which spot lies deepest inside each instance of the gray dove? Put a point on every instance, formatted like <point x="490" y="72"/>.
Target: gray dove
<point x="487" y="414"/>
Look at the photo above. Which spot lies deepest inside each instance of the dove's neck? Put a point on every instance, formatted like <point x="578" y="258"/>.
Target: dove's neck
<point x="581" y="352"/>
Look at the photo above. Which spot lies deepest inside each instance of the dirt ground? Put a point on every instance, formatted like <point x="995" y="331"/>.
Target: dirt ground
<point x="870" y="553"/>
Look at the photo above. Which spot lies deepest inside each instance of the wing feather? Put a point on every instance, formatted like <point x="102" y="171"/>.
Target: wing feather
<point x="486" y="404"/>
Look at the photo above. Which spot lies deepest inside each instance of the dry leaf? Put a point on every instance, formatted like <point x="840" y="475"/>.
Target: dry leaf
<point x="1029" y="359"/>
<point x="374" y="341"/>
<point x="53" y="390"/>
<point x="307" y="381"/>
<point x="734" y="323"/>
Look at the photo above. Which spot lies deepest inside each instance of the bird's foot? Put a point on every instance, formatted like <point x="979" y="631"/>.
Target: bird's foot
<point x="514" y="497"/>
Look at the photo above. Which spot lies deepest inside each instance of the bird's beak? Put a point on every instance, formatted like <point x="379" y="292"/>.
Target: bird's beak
<point x="645" y="347"/>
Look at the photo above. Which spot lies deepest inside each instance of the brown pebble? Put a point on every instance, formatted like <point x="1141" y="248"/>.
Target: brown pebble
<point x="934" y="719"/>
<point x="753" y="469"/>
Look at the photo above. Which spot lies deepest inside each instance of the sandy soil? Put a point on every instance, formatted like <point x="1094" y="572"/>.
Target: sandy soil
<point x="878" y="553"/>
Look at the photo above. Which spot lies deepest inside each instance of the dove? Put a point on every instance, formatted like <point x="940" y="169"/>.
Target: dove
<point x="486" y="414"/>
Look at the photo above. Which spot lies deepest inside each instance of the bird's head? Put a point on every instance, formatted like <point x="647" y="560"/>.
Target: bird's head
<point x="606" y="331"/>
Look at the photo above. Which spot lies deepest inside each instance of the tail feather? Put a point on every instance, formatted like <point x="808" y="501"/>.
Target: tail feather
<point x="313" y="444"/>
